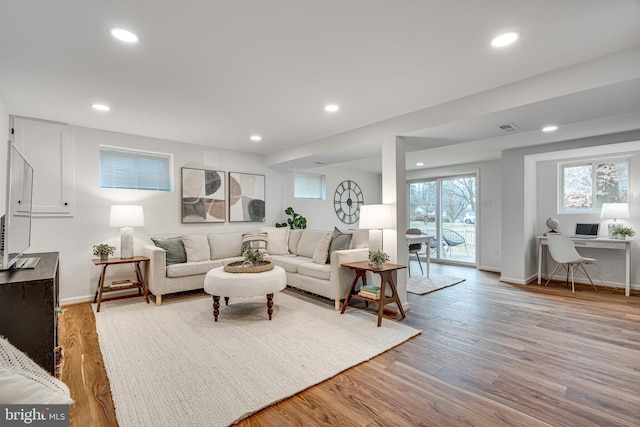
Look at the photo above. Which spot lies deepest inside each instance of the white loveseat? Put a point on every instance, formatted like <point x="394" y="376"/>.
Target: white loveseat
<point x="311" y="258"/>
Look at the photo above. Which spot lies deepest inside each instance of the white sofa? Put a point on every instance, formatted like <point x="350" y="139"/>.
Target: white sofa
<point x="311" y="258"/>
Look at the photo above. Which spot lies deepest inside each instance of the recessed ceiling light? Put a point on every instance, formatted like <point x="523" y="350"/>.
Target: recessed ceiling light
<point x="506" y="38"/>
<point x="549" y="128"/>
<point x="124" y="35"/>
<point x="101" y="107"/>
<point x="256" y="138"/>
<point x="331" y="108"/>
<point x="419" y="164"/>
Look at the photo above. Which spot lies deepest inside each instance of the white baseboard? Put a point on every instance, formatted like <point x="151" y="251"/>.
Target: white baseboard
<point x="490" y="269"/>
<point x="76" y="300"/>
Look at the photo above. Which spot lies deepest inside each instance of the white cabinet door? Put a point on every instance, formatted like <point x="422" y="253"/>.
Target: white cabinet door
<point x="48" y="147"/>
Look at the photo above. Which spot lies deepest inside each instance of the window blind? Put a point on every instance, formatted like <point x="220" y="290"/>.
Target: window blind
<point x="131" y="169"/>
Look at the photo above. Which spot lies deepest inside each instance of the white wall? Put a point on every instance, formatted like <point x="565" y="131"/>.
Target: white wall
<point x="489" y="206"/>
<point x="74" y="237"/>
<point x="609" y="269"/>
<point x="520" y="211"/>
<point x="320" y="214"/>
<point x="4" y="131"/>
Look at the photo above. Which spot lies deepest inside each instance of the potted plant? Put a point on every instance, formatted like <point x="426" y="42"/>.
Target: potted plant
<point x="253" y="257"/>
<point x="103" y="251"/>
<point x="296" y="220"/>
<point x="621" y="232"/>
<point x="377" y="258"/>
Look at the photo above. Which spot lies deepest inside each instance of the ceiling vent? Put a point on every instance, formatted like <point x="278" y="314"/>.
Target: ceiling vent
<point x="509" y="128"/>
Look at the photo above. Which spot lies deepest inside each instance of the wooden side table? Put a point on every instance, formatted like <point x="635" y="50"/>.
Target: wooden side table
<point x="386" y="276"/>
<point x="139" y="284"/>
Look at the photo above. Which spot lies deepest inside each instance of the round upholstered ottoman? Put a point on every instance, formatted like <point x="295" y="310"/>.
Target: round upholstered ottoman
<point x="219" y="283"/>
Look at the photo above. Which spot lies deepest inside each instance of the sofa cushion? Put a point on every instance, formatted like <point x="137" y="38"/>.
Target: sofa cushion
<point x="225" y="245"/>
<point x="339" y="241"/>
<point x="173" y="247"/>
<point x="321" y="253"/>
<point x="290" y="263"/>
<point x="277" y="240"/>
<point x="308" y="242"/>
<point x="192" y="268"/>
<point x="312" y="269"/>
<point x="254" y="241"/>
<point x="197" y="247"/>
<point x="359" y="239"/>
<point x="294" y="239"/>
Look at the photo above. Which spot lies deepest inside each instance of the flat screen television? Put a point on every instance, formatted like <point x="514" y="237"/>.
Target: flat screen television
<point x="15" y="223"/>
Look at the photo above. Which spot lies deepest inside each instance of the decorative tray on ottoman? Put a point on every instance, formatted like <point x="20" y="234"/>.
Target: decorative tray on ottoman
<point x="245" y="267"/>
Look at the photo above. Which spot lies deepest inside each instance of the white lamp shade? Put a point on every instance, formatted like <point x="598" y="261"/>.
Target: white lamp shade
<point x="375" y="217"/>
<point x="126" y="216"/>
<point x="615" y="210"/>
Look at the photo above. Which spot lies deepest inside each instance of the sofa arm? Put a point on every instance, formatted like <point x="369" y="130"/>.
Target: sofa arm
<point x="157" y="271"/>
<point x="341" y="277"/>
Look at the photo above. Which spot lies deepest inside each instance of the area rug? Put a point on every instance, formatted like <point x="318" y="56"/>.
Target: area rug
<point x="173" y="365"/>
<point x="423" y="285"/>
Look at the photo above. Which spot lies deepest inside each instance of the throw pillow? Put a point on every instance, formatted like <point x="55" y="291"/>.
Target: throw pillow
<point x="309" y="242"/>
<point x="339" y="241"/>
<point x="173" y="247"/>
<point x="196" y="246"/>
<point x="225" y="245"/>
<point x="294" y="239"/>
<point x="277" y="240"/>
<point x="25" y="382"/>
<point x="322" y="250"/>
<point x="254" y="241"/>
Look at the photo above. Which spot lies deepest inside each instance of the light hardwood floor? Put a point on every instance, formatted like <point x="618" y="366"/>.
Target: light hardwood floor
<point x="490" y="354"/>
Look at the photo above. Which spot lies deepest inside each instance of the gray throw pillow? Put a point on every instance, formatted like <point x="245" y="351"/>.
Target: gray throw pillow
<point x="174" y="248"/>
<point x="339" y="241"/>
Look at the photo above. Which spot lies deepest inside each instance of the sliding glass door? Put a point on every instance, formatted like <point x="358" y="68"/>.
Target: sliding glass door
<point x="445" y="208"/>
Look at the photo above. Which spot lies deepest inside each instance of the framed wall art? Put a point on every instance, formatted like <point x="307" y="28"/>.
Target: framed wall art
<point x="246" y="197"/>
<point x="203" y="196"/>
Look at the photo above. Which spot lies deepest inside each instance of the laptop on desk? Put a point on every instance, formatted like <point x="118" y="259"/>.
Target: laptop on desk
<point x="586" y="231"/>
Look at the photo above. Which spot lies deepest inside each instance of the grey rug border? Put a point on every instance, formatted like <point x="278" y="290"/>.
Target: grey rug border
<point x="459" y="280"/>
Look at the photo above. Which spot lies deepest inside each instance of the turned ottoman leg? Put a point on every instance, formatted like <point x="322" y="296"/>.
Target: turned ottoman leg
<point x="270" y="305"/>
<point x="216" y="306"/>
<point x="226" y="300"/>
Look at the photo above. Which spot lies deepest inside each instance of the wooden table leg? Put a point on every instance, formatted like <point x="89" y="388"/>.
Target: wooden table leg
<point x="142" y="283"/>
<point x="387" y="277"/>
<point x="100" y="286"/>
<point x="269" y="305"/>
<point x="358" y="275"/>
<point x="216" y="307"/>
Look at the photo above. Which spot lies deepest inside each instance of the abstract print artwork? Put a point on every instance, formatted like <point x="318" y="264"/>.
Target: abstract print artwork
<point x="246" y="197"/>
<point x="202" y="196"/>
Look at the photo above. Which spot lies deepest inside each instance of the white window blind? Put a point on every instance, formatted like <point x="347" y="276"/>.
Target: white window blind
<point x="133" y="169"/>
<point x="309" y="186"/>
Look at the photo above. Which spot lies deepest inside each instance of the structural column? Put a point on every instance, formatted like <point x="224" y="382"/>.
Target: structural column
<point x="394" y="193"/>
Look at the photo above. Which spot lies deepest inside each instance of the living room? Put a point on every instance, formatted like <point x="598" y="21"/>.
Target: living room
<point x="450" y="131"/>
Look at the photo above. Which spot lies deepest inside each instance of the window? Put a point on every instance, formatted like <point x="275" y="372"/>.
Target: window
<point x="134" y="169"/>
<point x="587" y="185"/>
<point x="309" y="186"/>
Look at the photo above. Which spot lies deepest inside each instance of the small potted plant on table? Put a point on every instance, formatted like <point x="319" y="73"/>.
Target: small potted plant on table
<point x="103" y="251"/>
<point x="622" y="232"/>
<point x="377" y="258"/>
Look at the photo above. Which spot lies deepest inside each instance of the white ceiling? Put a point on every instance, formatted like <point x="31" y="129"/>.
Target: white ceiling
<point x="215" y="72"/>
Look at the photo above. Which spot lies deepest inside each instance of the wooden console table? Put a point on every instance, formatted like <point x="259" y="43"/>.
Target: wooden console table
<point x="28" y="301"/>
<point x="139" y="284"/>
<point x="386" y="276"/>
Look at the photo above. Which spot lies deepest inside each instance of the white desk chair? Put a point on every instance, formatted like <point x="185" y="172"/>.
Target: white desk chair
<point x="414" y="248"/>
<point x="565" y="254"/>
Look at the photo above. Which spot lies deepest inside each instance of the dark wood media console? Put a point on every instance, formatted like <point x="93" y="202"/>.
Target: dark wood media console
<point x="28" y="299"/>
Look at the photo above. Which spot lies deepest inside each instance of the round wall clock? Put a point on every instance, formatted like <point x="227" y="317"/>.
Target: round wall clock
<point x="347" y="201"/>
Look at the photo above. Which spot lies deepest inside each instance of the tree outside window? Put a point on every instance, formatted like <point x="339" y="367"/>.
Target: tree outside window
<point x="586" y="186"/>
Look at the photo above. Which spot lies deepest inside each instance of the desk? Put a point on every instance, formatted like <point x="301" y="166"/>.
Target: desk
<point x="599" y="243"/>
<point x="139" y="284"/>
<point x="421" y="238"/>
<point x="361" y="269"/>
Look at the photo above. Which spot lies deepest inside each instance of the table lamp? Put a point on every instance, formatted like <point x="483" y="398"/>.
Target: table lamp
<point x="126" y="217"/>
<point x="376" y="217"/>
<point x="614" y="211"/>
